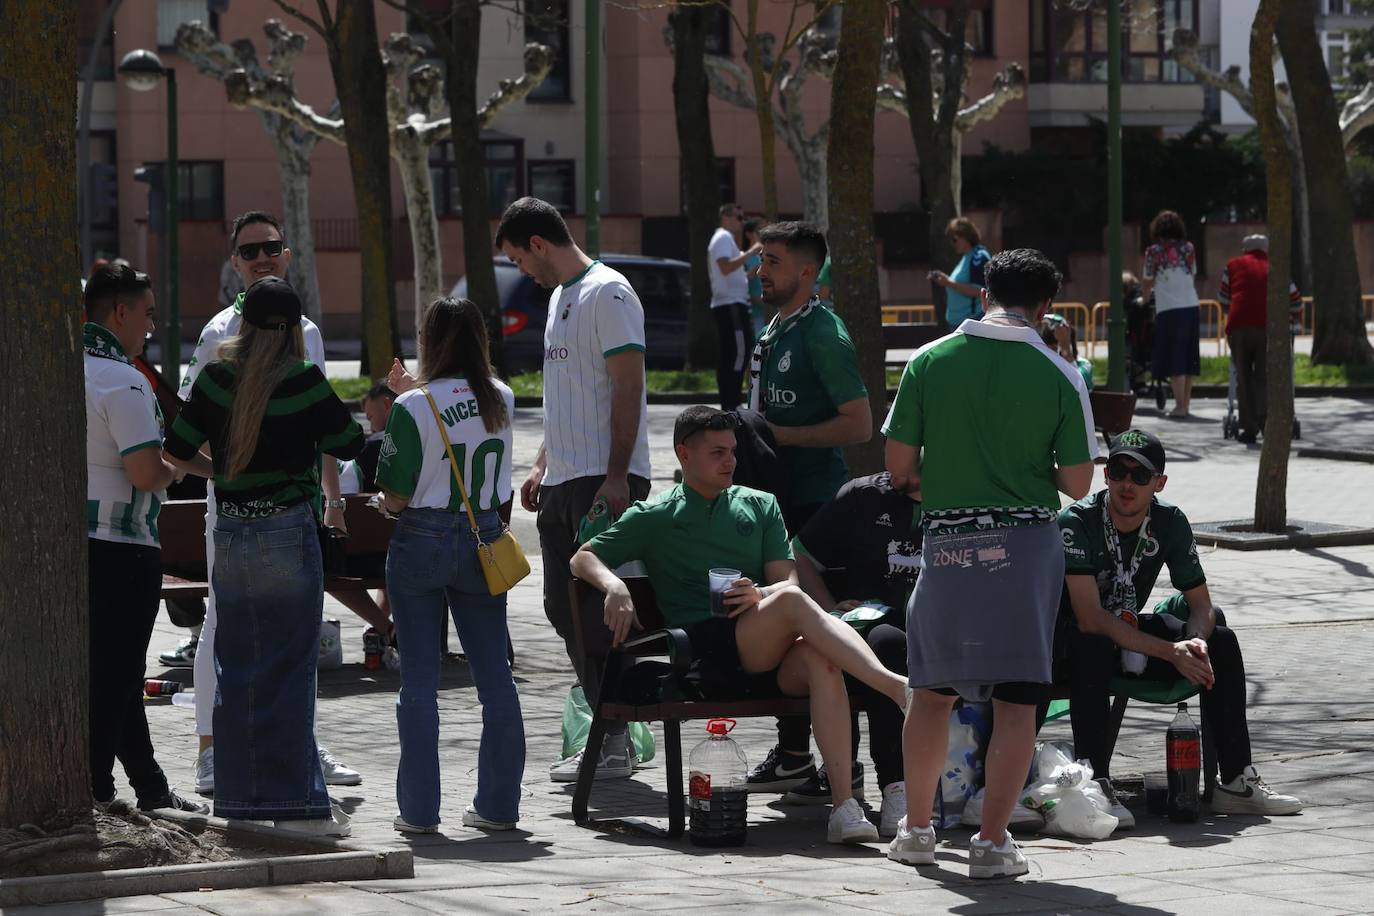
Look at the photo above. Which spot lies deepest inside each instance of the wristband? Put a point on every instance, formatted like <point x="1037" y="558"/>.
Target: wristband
<point x="765" y="591"/>
<point x="335" y="503"/>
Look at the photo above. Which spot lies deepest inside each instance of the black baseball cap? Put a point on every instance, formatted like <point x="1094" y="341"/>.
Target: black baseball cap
<point x="1142" y="446"/>
<point x="271" y="304"/>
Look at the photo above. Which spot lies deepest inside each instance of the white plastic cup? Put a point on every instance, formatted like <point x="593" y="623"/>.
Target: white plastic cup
<point x="1132" y="662"/>
<point x="722" y="579"/>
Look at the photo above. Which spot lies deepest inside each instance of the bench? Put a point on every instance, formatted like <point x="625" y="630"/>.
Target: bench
<point x="181" y="529"/>
<point x="910" y="336"/>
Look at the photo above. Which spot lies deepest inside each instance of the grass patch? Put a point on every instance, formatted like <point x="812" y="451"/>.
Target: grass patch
<point x="701" y="381"/>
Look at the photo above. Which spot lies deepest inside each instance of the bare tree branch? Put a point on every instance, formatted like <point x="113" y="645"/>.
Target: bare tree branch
<point x="1357" y="114"/>
<point x="291" y="10"/>
<point x="1007" y="85"/>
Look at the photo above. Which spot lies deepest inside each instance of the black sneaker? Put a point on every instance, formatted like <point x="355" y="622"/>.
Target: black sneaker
<point x="175" y="802"/>
<point x="781" y="771"/>
<point x="816" y="790"/>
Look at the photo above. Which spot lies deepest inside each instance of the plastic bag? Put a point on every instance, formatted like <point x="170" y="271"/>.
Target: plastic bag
<point x="577" y="724"/>
<point x="969" y="728"/>
<point x="331" y="647"/>
<point x="1063" y="790"/>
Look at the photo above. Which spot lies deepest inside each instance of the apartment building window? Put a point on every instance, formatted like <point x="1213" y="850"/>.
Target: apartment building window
<point x="554" y="180"/>
<point x="546" y="21"/>
<point x="1069" y="45"/>
<point x="1337" y="48"/>
<point x="200" y="189"/>
<point x="503" y="159"/>
<point x="977" y="28"/>
<point x="172" y="14"/>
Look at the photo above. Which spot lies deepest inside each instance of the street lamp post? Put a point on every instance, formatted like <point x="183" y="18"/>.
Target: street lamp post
<point x="141" y="71"/>
<point x="1116" y="317"/>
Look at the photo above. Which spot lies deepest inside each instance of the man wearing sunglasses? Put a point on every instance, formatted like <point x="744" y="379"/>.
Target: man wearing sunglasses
<point x="258" y="249"/>
<point x="1116" y="543"/>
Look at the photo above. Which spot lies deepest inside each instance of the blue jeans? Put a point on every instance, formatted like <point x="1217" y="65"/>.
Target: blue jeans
<point x="432" y="561"/>
<point x="269" y="593"/>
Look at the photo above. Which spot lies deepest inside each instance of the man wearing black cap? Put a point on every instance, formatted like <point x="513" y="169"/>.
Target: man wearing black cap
<point x="1116" y="543"/>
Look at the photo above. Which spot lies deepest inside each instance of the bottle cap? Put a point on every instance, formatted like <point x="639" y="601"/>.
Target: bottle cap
<point x="720" y="726"/>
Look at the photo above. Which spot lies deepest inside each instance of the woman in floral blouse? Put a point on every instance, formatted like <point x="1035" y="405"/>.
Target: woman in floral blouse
<point x="1170" y="271"/>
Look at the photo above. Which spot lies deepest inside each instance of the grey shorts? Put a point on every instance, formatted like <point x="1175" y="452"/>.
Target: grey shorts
<point x="984" y="609"/>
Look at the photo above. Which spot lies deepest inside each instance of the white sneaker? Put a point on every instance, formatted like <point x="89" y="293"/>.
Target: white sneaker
<point x="849" y="824"/>
<point x="404" y="826"/>
<point x="988" y="861"/>
<point x="338" y="824"/>
<point x="335" y="773"/>
<point x="894" y="808"/>
<point x="617" y="761"/>
<point x="1125" y="820"/>
<point x="472" y="819"/>
<point x="912" y="847"/>
<point x="1022" y="818"/>
<point x="205" y="772"/>
<point x="1248" y="794"/>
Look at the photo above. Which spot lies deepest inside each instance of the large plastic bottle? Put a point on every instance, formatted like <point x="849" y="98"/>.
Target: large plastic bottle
<point x="718" y="801"/>
<point x="1183" y="753"/>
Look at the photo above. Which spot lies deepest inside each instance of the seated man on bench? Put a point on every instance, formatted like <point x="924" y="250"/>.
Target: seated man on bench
<point x="1116" y="542"/>
<point x="773" y="631"/>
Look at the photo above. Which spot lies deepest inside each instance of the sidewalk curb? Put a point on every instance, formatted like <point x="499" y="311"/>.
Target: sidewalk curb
<point x="1338" y="454"/>
<point x="336" y="861"/>
<point x="1227" y="535"/>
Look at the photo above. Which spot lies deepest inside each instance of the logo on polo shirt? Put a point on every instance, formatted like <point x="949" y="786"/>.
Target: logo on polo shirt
<point x="388" y="447"/>
<point x="786" y="362"/>
<point x="744" y="527"/>
<point x="1067" y="534"/>
<point x="885" y="520"/>
<point x="554" y="354"/>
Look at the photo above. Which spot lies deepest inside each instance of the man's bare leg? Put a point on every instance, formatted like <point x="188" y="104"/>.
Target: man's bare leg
<point x="1008" y="760"/>
<point x="766" y="633"/>
<point x="361" y="603"/>
<point x="925" y="742"/>
<point x="805" y="672"/>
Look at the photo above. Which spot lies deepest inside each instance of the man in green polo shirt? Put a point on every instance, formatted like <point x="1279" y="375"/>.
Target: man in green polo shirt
<point x="773" y="630"/>
<point x="991" y="425"/>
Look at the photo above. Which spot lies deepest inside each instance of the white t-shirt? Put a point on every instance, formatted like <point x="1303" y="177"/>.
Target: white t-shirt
<point x="593" y="316"/>
<point x="726" y="289"/>
<point x="220" y="328"/>
<point x="414" y="462"/>
<point x="122" y="417"/>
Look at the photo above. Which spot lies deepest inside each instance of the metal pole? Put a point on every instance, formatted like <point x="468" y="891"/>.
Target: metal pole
<point x="1116" y="321"/>
<point x="171" y="362"/>
<point x="592" y="105"/>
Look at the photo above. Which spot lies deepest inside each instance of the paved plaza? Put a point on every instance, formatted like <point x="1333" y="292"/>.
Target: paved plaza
<point x="1305" y="620"/>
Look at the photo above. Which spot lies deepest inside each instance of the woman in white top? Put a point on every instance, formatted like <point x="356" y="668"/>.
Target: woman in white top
<point x="432" y="563"/>
<point x="1171" y="271"/>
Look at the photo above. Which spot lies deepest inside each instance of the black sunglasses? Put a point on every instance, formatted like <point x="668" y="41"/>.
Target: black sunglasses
<point x="248" y="251"/>
<point x="1140" y="475"/>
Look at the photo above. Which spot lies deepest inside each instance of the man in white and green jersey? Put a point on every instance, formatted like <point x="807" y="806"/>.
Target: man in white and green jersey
<point x="991" y="426"/>
<point x="596" y="439"/>
<point x="126" y="476"/>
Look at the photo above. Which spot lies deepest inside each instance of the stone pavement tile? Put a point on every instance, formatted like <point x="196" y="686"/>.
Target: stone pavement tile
<point x="1274" y="878"/>
<point x="1363" y="832"/>
<point x="1234" y="905"/>
<point x="295" y="900"/>
<point x="1356" y="896"/>
<point x="946" y="891"/>
<point x="634" y="894"/>
<point x="1285" y="847"/>
<point x="1361" y="864"/>
<point x="123" y="906"/>
<point x="1110" y="890"/>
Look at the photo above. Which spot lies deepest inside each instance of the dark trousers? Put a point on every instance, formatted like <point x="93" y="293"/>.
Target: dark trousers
<point x="561" y="510"/>
<point x="736" y="332"/>
<point x="125" y="590"/>
<point x="1247" y="353"/>
<point x="1093" y="661"/>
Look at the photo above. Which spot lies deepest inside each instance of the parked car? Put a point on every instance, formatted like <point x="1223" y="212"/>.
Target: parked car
<point x="664" y="287"/>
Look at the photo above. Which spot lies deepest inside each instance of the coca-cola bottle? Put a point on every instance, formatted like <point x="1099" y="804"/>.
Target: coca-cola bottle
<point x="1183" y="757"/>
<point x="718" y="800"/>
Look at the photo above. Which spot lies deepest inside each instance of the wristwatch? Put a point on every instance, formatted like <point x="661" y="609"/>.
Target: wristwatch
<point x="335" y="503"/>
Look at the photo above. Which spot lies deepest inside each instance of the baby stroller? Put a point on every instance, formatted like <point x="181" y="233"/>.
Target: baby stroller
<point x="1140" y="332"/>
<point x="1230" y="424"/>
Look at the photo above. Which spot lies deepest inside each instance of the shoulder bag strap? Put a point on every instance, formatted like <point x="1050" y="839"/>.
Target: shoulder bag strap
<point x="453" y="464"/>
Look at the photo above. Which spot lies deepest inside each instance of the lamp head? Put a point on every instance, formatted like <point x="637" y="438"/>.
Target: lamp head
<point x="141" y="70"/>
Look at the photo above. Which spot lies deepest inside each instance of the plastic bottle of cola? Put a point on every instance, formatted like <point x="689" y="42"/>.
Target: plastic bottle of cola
<point x="1183" y="753"/>
<point x="718" y="803"/>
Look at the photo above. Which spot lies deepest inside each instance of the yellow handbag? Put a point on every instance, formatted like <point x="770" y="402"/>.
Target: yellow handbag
<point x="503" y="562"/>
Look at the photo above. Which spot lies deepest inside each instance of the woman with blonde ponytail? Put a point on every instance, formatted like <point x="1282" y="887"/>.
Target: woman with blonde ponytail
<point x="268" y="414"/>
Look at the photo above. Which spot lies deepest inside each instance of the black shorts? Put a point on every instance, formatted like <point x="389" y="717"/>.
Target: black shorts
<point x="1022" y="693"/>
<point x="716" y="673"/>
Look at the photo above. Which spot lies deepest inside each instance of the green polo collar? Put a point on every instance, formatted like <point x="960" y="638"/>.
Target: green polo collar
<point x="578" y="279"/>
<point x="100" y="341"/>
<point x="238" y="304"/>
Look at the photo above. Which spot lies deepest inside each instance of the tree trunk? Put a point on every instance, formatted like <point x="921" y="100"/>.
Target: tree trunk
<point x="1338" y="313"/>
<point x="412" y="159"/>
<point x="1271" y="488"/>
<point x="763" y="110"/>
<point x="932" y="129"/>
<point x="853" y="248"/>
<point x="461" y="89"/>
<point x="697" y="151"/>
<point x="44" y="764"/>
<point x="294" y="147"/>
<point x="360" y="80"/>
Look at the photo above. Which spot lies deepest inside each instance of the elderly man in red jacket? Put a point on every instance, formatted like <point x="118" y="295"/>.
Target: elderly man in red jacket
<point x="1244" y="290"/>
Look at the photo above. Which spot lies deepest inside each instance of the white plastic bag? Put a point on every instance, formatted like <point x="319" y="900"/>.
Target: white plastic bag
<point x="331" y="647"/>
<point x="1064" y="792"/>
<point x="969" y="728"/>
